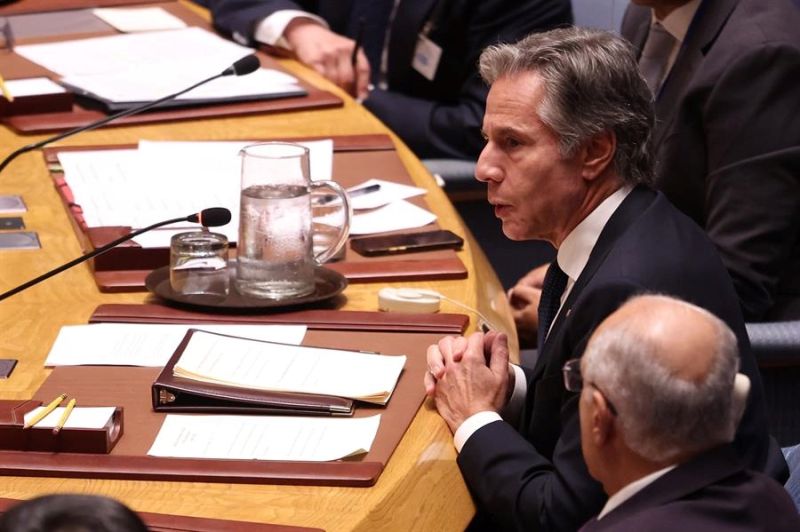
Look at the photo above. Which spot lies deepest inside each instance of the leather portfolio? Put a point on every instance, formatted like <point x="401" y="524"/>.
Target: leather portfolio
<point x="129" y="388"/>
<point x="81" y="113"/>
<point x="356" y="158"/>
<point x="69" y="440"/>
<point x="340" y="320"/>
<point x="171" y="393"/>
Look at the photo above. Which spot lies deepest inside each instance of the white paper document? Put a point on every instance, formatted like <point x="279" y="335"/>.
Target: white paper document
<point x="184" y="49"/>
<point x="81" y="417"/>
<point x="162" y="180"/>
<point x="134" y="344"/>
<point x="387" y="193"/>
<point x="392" y="217"/>
<point x="310" y="439"/>
<point x="139" y="67"/>
<point x="288" y="368"/>
<point x="128" y="20"/>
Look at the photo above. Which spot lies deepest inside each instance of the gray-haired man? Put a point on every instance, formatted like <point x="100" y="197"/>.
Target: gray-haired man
<point x="568" y="125"/>
<point x="666" y="462"/>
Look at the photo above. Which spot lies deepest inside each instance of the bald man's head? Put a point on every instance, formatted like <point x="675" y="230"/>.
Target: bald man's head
<point x="684" y="336"/>
<point x="669" y="368"/>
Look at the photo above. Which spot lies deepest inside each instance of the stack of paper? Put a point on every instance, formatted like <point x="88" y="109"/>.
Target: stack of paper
<point x="264" y="438"/>
<point x="141" y="67"/>
<point x="270" y="366"/>
<point x="166" y="179"/>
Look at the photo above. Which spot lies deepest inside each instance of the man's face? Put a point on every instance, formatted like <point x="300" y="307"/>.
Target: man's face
<point x="534" y="189"/>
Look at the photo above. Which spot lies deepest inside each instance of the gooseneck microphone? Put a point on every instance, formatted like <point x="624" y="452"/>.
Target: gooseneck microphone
<point x="213" y="217"/>
<point x="242" y="67"/>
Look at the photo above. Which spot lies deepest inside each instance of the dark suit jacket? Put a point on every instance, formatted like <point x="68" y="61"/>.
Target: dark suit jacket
<point x="728" y="142"/>
<point x="439" y="118"/>
<point x="535" y="478"/>
<point x="711" y="492"/>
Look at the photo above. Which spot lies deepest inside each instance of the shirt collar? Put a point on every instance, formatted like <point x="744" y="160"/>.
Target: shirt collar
<point x="677" y="23"/>
<point x="573" y="254"/>
<point x="632" y="489"/>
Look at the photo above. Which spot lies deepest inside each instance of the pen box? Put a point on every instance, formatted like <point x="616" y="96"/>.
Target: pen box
<point x="35" y="103"/>
<point x="68" y="440"/>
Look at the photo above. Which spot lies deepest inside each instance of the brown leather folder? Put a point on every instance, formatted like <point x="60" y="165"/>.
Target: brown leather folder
<point x="347" y="320"/>
<point x="14" y="66"/>
<point x="171" y="393"/>
<point x="69" y="440"/>
<point x="180" y="523"/>
<point x="129" y="387"/>
<point x="356" y="159"/>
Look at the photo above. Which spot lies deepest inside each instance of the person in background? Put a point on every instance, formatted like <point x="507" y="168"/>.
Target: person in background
<point x="727" y="138"/>
<point x="568" y="160"/>
<point x="416" y="70"/>
<point x="71" y="513"/>
<point x="666" y="462"/>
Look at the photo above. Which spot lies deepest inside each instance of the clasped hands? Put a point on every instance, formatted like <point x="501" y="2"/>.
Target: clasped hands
<point x="467" y="375"/>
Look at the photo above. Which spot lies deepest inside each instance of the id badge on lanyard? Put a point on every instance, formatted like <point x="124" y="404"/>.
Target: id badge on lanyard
<point x="427" y="53"/>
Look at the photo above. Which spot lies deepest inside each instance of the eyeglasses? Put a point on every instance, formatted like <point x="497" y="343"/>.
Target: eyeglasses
<point x="573" y="381"/>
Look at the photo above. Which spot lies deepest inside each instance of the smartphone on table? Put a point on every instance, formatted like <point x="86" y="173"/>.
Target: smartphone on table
<point x="371" y="246"/>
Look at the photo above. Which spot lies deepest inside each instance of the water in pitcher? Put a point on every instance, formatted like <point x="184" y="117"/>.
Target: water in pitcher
<point x="274" y="248"/>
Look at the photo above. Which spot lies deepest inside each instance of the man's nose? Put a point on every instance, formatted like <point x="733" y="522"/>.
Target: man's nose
<point x="487" y="168"/>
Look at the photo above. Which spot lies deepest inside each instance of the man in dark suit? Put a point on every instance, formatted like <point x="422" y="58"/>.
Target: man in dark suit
<point x="728" y="137"/>
<point x="420" y="55"/>
<point x="568" y="125"/>
<point x="666" y="462"/>
<point x="727" y="140"/>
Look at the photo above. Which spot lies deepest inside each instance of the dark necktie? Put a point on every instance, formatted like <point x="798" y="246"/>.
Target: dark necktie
<point x="375" y="14"/>
<point x="655" y="56"/>
<point x="555" y="281"/>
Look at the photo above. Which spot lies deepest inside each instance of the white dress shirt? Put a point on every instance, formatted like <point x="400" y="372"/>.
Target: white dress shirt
<point x="270" y="31"/>
<point x="573" y="254"/>
<point x="632" y="489"/>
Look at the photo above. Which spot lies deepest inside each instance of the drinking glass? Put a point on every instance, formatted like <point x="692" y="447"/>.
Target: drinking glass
<point x="275" y="253"/>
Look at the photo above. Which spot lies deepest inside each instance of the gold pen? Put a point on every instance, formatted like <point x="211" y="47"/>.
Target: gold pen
<point x="46" y="410"/>
<point x="6" y="92"/>
<point x="64" y="416"/>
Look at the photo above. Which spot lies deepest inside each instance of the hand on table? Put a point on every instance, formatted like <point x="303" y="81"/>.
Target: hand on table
<point x="329" y="54"/>
<point x="468" y="375"/>
<point x="524" y="300"/>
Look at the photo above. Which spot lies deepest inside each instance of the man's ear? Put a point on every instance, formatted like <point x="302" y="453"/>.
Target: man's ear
<point x="597" y="154"/>
<point x="602" y="420"/>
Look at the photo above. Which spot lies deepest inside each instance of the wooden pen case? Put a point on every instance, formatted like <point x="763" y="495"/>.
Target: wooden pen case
<point x="68" y="440"/>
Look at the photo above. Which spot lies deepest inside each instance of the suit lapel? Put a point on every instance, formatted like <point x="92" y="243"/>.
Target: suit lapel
<point x="628" y="211"/>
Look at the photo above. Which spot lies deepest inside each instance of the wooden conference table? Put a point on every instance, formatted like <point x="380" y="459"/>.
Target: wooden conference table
<point x="421" y="488"/>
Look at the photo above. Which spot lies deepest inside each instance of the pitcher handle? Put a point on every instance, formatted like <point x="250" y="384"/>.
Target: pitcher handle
<point x="344" y="230"/>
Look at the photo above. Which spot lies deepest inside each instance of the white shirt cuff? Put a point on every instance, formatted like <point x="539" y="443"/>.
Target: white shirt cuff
<point x="513" y="409"/>
<point x="270" y="30"/>
<point x="471" y="425"/>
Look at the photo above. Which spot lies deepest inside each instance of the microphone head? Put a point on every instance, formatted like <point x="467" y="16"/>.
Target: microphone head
<point x="213" y="217"/>
<point x="242" y="67"/>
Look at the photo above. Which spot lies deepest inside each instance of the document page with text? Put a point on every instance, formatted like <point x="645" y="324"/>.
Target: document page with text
<point x="310" y="439"/>
<point x="260" y="365"/>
